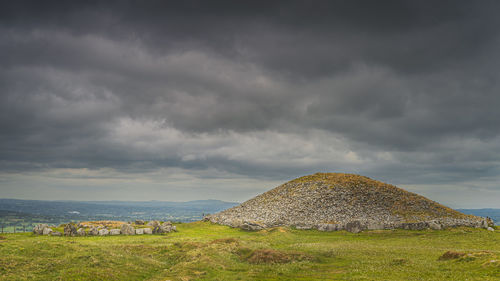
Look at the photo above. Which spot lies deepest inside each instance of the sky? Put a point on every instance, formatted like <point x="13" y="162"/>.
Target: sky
<point x="188" y="100"/>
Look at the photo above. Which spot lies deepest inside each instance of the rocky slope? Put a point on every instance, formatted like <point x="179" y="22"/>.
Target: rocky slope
<point x="334" y="201"/>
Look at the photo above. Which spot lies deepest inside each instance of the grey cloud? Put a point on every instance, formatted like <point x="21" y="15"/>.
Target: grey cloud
<point x="404" y="91"/>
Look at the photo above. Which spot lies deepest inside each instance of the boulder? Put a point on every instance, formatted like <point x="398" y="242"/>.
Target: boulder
<point x="81" y="232"/>
<point x="165" y="228"/>
<point x="70" y="230"/>
<point x="435" y="225"/>
<point x="94" y="231"/>
<point x="327" y="227"/>
<point x="174" y="228"/>
<point x="38" y="229"/>
<point x="47" y="231"/>
<point x="304" y="227"/>
<point x="103" y="232"/>
<point x="56" y="233"/>
<point x="139" y="231"/>
<point x="484" y="224"/>
<point x="354" y="227"/>
<point x="127" y="229"/>
<point x="415" y="225"/>
<point x="139" y="222"/>
<point x="115" y="231"/>
<point x="373" y="225"/>
<point x="252" y="226"/>
<point x="153" y="223"/>
<point x="490" y="228"/>
<point x="148" y="231"/>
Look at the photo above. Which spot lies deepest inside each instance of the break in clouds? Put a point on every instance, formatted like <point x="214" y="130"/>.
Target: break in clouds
<point x="221" y="99"/>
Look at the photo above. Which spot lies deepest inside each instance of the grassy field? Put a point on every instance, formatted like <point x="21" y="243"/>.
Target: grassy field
<point x="203" y="251"/>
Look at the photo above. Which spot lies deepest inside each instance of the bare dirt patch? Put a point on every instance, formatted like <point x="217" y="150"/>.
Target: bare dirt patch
<point x="225" y="241"/>
<point x="270" y="256"/>
<point x="450" y="255"/>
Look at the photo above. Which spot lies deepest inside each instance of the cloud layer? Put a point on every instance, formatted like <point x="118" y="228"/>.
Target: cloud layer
<point x="401" y="91"/>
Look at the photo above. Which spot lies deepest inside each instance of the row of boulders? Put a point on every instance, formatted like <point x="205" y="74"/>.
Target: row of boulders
<point x="356" y="226"/>
<point x="126" y="229"/>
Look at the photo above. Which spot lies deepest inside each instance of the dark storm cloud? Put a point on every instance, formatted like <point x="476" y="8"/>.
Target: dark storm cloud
<point x="406" y="90"/>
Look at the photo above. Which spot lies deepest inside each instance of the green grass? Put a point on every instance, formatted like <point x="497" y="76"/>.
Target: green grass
<point x="203" y="251"/>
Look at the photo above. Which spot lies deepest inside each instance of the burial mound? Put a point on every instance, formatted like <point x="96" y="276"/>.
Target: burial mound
<point x="336" y="201"/>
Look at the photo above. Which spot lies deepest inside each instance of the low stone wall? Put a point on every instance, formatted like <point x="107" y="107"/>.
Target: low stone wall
<point x="70" y="229"/>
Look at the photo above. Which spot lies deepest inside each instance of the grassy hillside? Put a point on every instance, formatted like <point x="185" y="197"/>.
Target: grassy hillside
<point x="203" y="251"/>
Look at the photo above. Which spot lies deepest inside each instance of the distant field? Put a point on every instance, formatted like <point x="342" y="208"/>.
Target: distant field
<point x="25" y="214"/>
<point x="203" y="251"/>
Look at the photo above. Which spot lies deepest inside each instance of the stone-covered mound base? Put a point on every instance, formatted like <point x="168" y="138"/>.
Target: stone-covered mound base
<point x="356" y="226"/>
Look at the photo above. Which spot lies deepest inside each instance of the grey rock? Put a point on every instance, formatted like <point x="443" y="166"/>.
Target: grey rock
<point x="372" y="225"/>
<point x="93" y="231"/>
<point x="327" y="227"/>
<point x="490" y="228"/>
<point x="38" y="229"/>
<point x="415" y="225"/>
<point x="56" y="233"/>
<point x="103" y="232"/>
<point x="70" y="230"/>
<point x="127" y="229"/>
<point x="354" y="227"/>
<point x="484" y="224"/>
<point x="81" y="232"/>
<point x="115" y="231"/>
<point x="304" y="227"/>
<point x="174" y="228"/>
<point x="165" y="228"/>
<point x="252" y="226"/>
<point x="47" y="231"/>
<point x="153" y="223"/>
<point x="139" y="222"/>
<point x="148" y="231"/>
<point x="435" y="225"/>
<point x="139" y="231"/>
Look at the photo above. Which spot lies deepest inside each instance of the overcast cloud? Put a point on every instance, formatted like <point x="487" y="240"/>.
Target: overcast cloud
<point x="142" y="100"/>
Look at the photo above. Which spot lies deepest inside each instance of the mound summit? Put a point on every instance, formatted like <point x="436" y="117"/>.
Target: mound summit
<point x="336" y="201"/>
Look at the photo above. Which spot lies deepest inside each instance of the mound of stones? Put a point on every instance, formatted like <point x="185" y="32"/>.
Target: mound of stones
<point x="335" y="201"/>
<point x="152" y="227"/>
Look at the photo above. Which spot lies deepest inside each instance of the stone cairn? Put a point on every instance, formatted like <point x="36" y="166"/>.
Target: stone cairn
<point x="70" y="229"/>
<point x="335" y="201"/>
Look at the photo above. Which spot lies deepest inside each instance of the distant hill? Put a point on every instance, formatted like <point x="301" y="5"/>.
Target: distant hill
<point x="494" y="214"/>
<point x="337" y="199"/>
